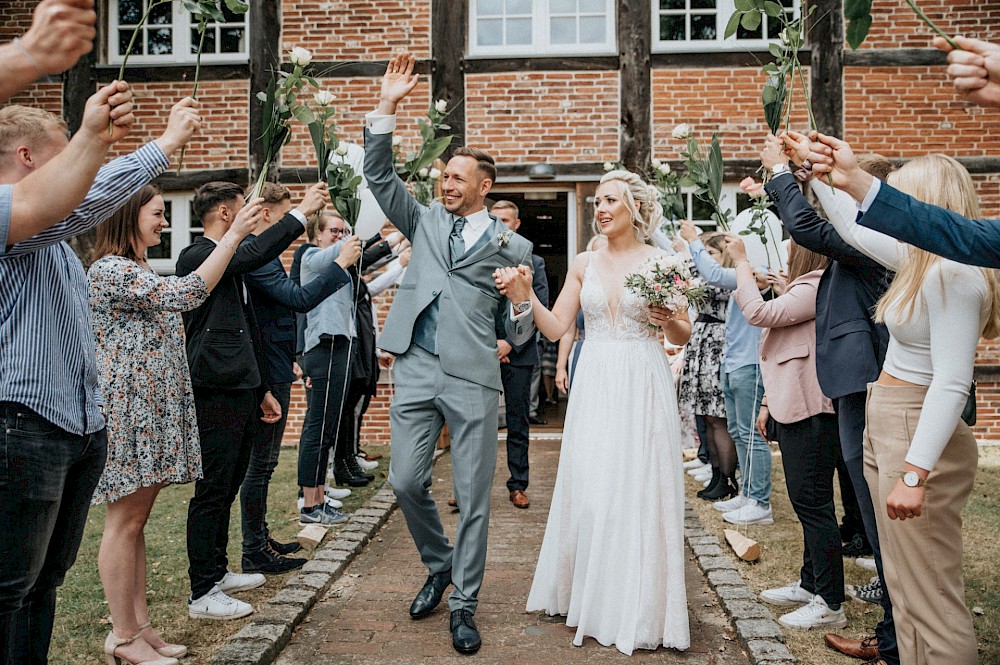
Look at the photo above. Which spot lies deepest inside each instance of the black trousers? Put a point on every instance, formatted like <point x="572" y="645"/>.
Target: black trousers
<point x="326" y="365"/>
<point x="517" y="397"/>
<point x="263" y="461"/>
<point x="809" y="452"/>
<point x="225" y="426"/>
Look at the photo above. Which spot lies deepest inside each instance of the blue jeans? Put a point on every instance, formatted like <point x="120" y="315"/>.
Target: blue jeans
<point x="47" y="479"/>
<point x="263" y="462"/>
<point x="743" y="390"/>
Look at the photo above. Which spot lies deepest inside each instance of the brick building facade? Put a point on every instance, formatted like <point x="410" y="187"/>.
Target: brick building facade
<point x="565" y="83"/>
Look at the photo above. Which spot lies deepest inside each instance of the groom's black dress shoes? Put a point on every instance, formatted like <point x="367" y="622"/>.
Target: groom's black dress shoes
<point x="430" y="595"/>
<point x="464" y="634"/>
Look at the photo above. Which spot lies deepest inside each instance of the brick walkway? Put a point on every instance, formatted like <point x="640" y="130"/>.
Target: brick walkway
<point x="364" y="617"/>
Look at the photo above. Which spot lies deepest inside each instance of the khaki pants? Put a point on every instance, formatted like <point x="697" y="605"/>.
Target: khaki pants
<point x="922" y="557"/>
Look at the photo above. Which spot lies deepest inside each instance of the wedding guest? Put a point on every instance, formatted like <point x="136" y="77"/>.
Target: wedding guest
<point x="850" y="351"/>
<point x="974" y="68"/>
<point x="148" y="401"/>
<point x="230" y="392"/>
<point x="276" y="299"/>
<point x="50" y="404"/>
<point x="804" y="425"/>
<point x="920" y="457"/>
<point x="612" y="559"/>
<point x="516" y="366"/>
<point x="743" y="390"/>
<point x="701" y="387"/>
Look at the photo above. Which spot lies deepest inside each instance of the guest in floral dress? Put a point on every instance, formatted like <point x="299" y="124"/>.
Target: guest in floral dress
<point x="146" y="386"/>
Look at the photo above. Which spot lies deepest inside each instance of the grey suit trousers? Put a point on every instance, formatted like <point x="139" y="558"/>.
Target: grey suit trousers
<point x="425" y="399"/>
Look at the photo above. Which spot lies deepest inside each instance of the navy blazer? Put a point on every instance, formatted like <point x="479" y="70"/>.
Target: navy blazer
<point x="526" y="355"/>
<point x="276" y="298"/>
<point x="850" y="346"/>
<point x="939" y="231"/>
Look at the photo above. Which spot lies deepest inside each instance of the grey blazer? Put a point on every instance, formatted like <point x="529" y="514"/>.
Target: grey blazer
<point x="470" y="303"/>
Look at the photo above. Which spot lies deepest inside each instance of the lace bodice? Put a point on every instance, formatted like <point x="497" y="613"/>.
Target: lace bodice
<point x="630" y="322"/>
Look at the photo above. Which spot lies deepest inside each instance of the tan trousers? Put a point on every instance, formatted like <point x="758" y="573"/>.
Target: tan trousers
<point x="922" y="557"/>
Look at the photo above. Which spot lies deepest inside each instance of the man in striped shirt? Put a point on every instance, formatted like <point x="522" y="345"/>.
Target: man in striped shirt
<point x="54" y="431"/>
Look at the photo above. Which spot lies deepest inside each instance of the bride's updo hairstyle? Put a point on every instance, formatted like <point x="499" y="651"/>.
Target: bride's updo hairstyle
<point x="641" y="199"/>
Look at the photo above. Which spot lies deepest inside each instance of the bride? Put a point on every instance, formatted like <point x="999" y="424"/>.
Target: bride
<point x="612" y="560"/>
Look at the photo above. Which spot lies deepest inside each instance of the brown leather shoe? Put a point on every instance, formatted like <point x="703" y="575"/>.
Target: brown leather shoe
<point x="519" y="499"/>
<point x="866" y="649"/>
<point x="453" y="502"/>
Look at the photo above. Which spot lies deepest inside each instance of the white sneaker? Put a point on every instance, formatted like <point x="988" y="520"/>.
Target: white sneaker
<point x="694" y="471"/>
<point x="236" y="582"/>
<point x="817" y="614"/>
<point x="704" y="473"/>
<point x="707" y="483"/>
<point x="866" y="562"/>
<point x="218" y="606"/>
<point x="737" y="501"/>
<point x="693" y="464"/>
<point x="751" y="513"/>
<point x="365" y="464"/>
<point x="330" y="501"/>
<point x="790" y="594"/>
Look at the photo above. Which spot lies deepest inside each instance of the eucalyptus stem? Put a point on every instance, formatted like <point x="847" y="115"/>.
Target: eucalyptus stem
<point x="777" y="252"/>
<point x="258" y="188"/>
<point x="194" y="92"/>
<point x="131" y="43"/>
<point x="919" y="12"/>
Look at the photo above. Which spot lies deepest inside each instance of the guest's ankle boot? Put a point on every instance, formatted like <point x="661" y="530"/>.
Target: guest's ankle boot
<point x="344" y="475"/>
<point x="725" y="489"/>
<point x="717" y="478"/>
<point x="352" y="464"/>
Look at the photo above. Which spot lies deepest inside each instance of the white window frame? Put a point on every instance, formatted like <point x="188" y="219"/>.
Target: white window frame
<point x="181" y="226"/>
<point x="181" y="25"/>
<point x="540" y="46"/>
<point x="724" y="9"/>
<point x="727" y="200"/>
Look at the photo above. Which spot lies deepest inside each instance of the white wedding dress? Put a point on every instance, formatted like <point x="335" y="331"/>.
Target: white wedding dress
<point x="612" y="560"/>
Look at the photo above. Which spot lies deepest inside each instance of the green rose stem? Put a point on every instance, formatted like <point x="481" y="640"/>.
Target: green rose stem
<point x="194" y="92"/>
<point x="923" y="17"/>
<point x="131" y="43"/>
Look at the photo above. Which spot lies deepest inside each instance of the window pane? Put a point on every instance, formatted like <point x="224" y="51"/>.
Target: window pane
<point x="743" y="33"/>
<point x="742" y="202"/>
<point x="159" y="42"/>
<point x="209" y="46"/>
<point x="773" y="28"/>
<point x="672" y="4"/>
<point x="232" y="17"/>
<point x="672" y="28"/>
<point x="489" y="32"/>
<point x="129" y="12"/>
<point x="518" y="7"/>
<point x="700" y="209"/>
<point x="562" y="6"/>
<point x="232" y="40"/>
<point x="489" y="8"/>
<point x="562" y="31"/>
<point x="519" y="31"/>
<point x="592" y="30"/>
<point x="161" y="251"/>
<point x="124" y="36"/>
<point x="702" y="4"/>
<point x="703" y="26"/>
<point x="161" y="14"/>
<point x="595" y="6"/>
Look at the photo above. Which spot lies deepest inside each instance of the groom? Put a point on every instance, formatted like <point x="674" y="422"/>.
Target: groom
<point x="441" y="328"/>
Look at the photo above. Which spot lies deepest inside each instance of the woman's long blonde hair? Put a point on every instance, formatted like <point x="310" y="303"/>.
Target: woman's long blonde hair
<point x="941" y="181"/>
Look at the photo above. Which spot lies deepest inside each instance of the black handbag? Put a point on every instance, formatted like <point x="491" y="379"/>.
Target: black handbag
<point x="969" y="412"/>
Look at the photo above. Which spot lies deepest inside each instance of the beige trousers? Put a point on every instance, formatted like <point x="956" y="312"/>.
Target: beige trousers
<point x="922" y="557"/>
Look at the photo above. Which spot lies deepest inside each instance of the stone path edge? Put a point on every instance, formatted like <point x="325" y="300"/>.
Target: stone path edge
<point x="757" y="631"/>
<point x="260" y="642"/>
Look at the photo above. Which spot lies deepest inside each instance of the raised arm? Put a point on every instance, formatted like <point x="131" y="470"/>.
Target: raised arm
<point x="272" y="280"/>
<point x="120" y="283"/>
<point x="878" y="246"/>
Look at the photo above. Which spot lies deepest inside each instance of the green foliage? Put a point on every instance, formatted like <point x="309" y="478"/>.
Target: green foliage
<point x="704" y="173"/>
<point x="759" y="227"/>
<point x="668" y="184"/>
<point x="418" y="167"/>
<point x="278" y="101"/>
<point x="859" y="21"/>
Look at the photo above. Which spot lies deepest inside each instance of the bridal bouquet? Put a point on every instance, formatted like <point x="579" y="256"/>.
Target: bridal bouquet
<point x="666" y="281"/>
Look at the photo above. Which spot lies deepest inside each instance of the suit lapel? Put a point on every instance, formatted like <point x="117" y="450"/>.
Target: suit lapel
<point x="485" y="247"/>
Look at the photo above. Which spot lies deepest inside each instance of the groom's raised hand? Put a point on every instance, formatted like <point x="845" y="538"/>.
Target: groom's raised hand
<point x="398" y="81"/>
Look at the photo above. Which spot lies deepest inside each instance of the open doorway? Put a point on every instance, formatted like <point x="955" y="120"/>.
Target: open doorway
<point x="547" y="218"/>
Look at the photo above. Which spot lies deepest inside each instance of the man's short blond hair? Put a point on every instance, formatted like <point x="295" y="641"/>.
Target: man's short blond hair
<point x="504" y="204"/>
<point x="25" y="126"/>
<point x="272" y="193"/>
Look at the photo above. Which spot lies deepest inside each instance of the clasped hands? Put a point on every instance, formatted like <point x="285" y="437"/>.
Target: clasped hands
<point x="515" y="283"/>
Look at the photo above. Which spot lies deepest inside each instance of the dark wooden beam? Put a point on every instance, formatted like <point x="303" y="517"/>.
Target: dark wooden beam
<point x="173" y="73"/>
<point x="79" y="83"/>
<point x="449" y="34"/>
<point x="725" y="59"/>
<point x="265" y="55"/>
<point x="576" y="64"/>
<point x="172" y="181"/>
<point x="826" y="65"/>
<point x="895" y="57"/>
<point x="635" y="37"/>
<point x="733" y="169"/>
<point x="355" y="68"/>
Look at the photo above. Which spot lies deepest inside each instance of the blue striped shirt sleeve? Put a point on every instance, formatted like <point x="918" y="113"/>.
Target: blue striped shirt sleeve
<point x="6" y="194"/>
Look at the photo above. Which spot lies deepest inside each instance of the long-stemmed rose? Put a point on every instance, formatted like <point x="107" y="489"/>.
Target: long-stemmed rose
<point x="859" y="21"/>
<point x="419" y="168"/>
<point x="668" y="184"/>
<point x="704" y="173"/>
<point x="759" y="204"/>
<point x="153" y="4"/>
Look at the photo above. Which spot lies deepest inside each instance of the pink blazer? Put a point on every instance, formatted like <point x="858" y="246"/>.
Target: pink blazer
<point x="788" y="347"/>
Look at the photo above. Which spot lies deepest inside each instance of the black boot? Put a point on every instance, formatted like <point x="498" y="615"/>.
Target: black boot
<point x="712" y="484"/>
<point x="344" y="475"/>
<point x="352" y="464"/>
<point x="726" y="489"/>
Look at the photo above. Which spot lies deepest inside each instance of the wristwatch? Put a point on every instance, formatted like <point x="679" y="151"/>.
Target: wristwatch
<point x="779" y="168"/>
<point x="522" y="307"/>
<point x="912" y="479"/>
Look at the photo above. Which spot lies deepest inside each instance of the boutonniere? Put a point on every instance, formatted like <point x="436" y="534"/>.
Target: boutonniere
<point x="503" y="239"/>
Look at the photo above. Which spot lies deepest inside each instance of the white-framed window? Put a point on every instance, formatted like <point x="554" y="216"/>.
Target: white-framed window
<point x="170" y="36"/>
<point x="700" y="25"/>
<point x="525" y="28"/>
<point x="732" y="197"/>
<point x="183" y="229"/>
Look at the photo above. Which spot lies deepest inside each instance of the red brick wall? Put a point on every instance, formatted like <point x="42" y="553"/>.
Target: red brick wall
<point x="341" y="30"/>
<point x="896" y="26"/>
<point x="46" y="96"/>
<point x="714" y="100"/>
<point x="553" y="117"/>
<point x="15" y="18"/>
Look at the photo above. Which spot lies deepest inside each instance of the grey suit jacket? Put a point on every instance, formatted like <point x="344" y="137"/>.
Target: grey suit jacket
<point x="469" y="301"/>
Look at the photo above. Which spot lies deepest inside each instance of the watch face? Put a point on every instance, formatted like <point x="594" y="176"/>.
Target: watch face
<point x="911" y="479"/>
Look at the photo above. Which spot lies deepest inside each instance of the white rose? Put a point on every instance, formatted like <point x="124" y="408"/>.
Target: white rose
<point x="608" y="166"/>
<point x="300" y="56"/>
<point x="682" y="132"/>
<point x="784" y="36"/>
<point x="341" y="149"/>
<point x="441" y="105"/>
<point x="435" y="174"/>
<point x="422" y="172"/>
<point x="664" y="168"/>
<point x="656" y="163"/>
<point x="397" y="140"/>
<point x="323" y="98"/>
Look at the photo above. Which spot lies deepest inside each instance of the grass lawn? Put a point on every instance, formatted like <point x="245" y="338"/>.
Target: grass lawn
<point x="82" y="618"/>
<point x="781" y="559"/>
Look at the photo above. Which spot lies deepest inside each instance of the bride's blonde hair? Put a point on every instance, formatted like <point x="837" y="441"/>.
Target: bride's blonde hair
<point x="941" y="181"/>
<point x="641" y="199"/>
